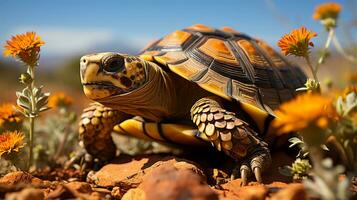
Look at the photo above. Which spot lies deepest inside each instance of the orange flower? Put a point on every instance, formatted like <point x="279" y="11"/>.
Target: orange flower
<point x="11" y="142"/>
<point x="297" y="42"/>
<point x="8" y="114"/>
<point x="304" y="110"/>
<point x="25" y="46"/>
<point x="59" y="99"/>
<point x="327" y="10"/>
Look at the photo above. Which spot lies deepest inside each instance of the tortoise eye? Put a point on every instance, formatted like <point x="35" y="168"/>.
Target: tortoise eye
<point x="113" y="64"/>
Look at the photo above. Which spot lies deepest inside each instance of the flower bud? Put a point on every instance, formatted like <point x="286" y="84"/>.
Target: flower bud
<point x="312" y="85"/>
<point x="25" y="78"/>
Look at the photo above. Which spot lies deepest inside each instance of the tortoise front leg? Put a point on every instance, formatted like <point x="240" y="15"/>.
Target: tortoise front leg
<point x="232" y="136"/>
<point x="95" y="128"/>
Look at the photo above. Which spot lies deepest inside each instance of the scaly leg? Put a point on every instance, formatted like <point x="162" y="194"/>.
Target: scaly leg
<point x="232" y="136"/>
<point x="95" y="128"/>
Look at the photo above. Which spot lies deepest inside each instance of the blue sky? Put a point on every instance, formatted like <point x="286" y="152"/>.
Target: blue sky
<point x="81" y="26"/>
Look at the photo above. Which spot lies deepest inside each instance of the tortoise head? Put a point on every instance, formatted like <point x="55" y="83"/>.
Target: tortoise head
<point x="108" y="74"/>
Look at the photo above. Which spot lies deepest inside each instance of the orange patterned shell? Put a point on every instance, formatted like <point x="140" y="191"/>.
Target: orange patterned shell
<point x="229" y="64"/>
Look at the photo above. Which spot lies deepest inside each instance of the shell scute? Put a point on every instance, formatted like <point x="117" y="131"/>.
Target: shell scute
<point x="229" y="64"/>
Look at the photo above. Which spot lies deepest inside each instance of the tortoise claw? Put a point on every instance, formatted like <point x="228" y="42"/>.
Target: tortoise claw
<point x="234" y="174"/>
<point x="255" y="164"/>
<point x="245" y="172"/>
<point x="258" y="174"/>
<point x="259" y="162"/>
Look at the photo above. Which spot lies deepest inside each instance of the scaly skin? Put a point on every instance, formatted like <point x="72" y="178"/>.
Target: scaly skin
<point x="142" y="88"/>
<point x="95" y="128"/>
<point x="232" y="136"/>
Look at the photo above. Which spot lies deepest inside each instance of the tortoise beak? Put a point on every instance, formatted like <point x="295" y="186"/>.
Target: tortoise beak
<point x="82" y="67"/>
<point x="89" y="67"/>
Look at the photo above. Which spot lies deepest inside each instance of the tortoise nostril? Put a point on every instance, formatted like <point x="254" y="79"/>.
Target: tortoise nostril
<point x="84" y="60"/>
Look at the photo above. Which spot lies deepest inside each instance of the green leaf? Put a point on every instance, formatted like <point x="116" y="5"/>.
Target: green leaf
<point x="25" y="99"/>
<point x="36" y="91"/>
<point x="23" y="105"/>
<point x="44" y="109"/>
<point x="295" y="141"/>
<point x="26" y="92"/>
<point x="18" y="94"/>
<point x="42" y="101"/>
<point x="339" y="106"/>
<point x="24" y="112"/>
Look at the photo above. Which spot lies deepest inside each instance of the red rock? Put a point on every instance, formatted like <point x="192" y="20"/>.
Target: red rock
<point x="81" y="187"/>
<point x="234" y="190"/>
<point x="20" y="177"/>
<point x="295" y="191"/>
<point x="26" y="194"/>
<point x="102" y="193"/>
<point x="128" y="172"/>
<point x="134" y="194"/>
<point x="73" y="190"/>
<point x="250" y="192"/>
<point x="59" y="192"/>
<point x="169" y="183"/>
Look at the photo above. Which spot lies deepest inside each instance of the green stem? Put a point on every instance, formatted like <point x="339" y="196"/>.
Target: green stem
<point x="331" y="34"/>
<point x="313" y="71"/>
<point x="342" y="51"/>
<point x="32" y="126"/>
<point x="32" y="115"/>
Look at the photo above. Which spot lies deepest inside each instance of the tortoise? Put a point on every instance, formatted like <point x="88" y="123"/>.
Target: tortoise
<point x="195" y="86"/>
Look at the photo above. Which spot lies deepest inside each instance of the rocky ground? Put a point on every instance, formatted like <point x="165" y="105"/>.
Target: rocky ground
<point x="157" y="176"/>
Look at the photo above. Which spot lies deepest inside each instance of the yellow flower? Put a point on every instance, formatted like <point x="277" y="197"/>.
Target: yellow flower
<point x="11" y="142"/>
<point x="25" y="46"/>
<point x="59" y="99"/>
<point x="305" y="110"/>
<point x="8" y="114"/>
<point x="297" y="42"/>
<point x="327" y="10"/>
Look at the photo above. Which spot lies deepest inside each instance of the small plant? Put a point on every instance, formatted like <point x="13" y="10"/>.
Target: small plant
<point x="31" y="100"/>
<point x="327" y="14"/>
<point x="328" y="118"/>
<point x="345" y="131"/>
<point x="299" y="169"/>
<point x="322" y="119"/>
<point x="295" y="141"/>
<point x="328" y="184"/>
<point x="59" y="130"/>
<point x="298" y="43"/>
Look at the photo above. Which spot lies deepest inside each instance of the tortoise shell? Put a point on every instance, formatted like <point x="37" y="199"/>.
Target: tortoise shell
<point x="229" y="64"/>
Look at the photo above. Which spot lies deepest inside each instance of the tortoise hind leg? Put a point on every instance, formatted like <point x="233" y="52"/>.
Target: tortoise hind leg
<point x="95" y="128"/>
<point x="231" y="135"/>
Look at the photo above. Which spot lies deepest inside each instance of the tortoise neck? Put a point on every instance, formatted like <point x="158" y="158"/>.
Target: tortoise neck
<point x="155" y="100"/>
